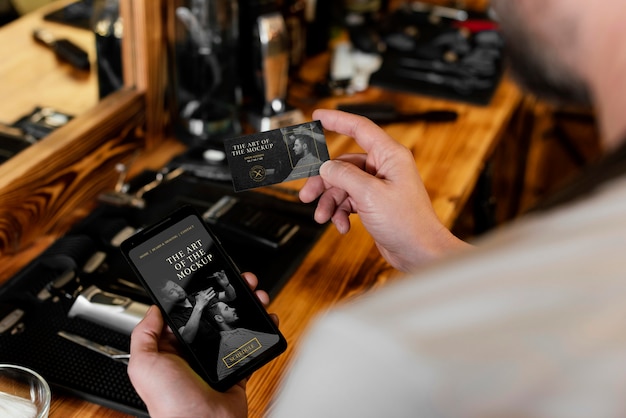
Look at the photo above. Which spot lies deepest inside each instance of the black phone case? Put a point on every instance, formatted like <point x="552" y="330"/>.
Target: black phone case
<point x="183" y="250"/>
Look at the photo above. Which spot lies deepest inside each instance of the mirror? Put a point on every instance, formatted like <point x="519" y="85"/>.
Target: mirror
<point x="45" y="183"/>
<point x="40" y="87"/>
<point x="38" y="77"/>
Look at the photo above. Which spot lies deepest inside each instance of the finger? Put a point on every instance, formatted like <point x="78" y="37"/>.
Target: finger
<point x="312" y="189"/>
<point x="341" y="220"/>
<point x="329" y="203"/>
<point x="243" y="382"/>
<point x="315" y="186"/>
<point x="350" y="179"/>
<point x="251" y="279"/>
<point x="145" y="336"/>
<point x="359" y="160"/>
<point x="367" y="134"/>
<point x="263" y="297"/>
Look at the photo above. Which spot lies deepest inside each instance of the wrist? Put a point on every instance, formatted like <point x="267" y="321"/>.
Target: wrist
<point x="439" y="244"/>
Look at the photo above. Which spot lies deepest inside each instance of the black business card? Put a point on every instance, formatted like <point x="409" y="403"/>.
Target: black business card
<point x="285" y="154"/>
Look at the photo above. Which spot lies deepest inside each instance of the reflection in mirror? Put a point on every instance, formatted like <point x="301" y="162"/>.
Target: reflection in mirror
<point x="102" y="18"/>
<point x="44" y="185"/>
<point x="32" y="75"/>
<point x="51" y="62"/>
<point x="108" y="30"/>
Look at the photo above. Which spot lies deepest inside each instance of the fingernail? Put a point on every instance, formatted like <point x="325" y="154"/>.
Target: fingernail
<point x="340" y="228"/>
<point x="325" y="167"/>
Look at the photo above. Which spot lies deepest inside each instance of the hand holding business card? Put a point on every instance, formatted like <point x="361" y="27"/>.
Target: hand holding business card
<point x="276" y="156"/>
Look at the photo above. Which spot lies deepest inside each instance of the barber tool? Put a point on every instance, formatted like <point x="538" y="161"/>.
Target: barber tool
<point x="162" y="176"/>
<point x="477" y="67"/>
<point x="116" y="312"/>
<point x="461" y="85"/>
<point x="121" y="235"/>
<point x="274" y="69"/>
<point x="40" y="122"/>
<point x="64" y="49"/>
<point x="111" y="352"/>
<point x="206" y="93"/>
<point x="341" y="68"/>
<point x="66" y="284"/>
<point x="387" y="113"/>
<point x="438" y="12"/>
<point x="15" y="133"/>
<point x="129" y="288"/>
<point x="12" y="142"/>
<point x="207" y="163"/>
<point x="120" y="196"/>
<point x="11" y="319"/>
<point x="70" y="252"/>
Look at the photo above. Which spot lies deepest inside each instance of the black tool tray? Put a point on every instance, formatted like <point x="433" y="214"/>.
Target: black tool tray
<point x="73" y="369"/>
<point x="440" y="58"/>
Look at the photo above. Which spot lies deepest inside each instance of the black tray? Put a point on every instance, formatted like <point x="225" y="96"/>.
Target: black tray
<point x="73" y="369"/>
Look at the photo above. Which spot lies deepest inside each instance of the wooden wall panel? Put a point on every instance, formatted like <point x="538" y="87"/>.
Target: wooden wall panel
<point x="67" y="169"/>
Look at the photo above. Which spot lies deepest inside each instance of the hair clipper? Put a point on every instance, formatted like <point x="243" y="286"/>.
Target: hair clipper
<point x="119" y="313"/>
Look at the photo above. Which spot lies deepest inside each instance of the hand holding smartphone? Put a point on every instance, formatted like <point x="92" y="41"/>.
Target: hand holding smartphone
<point x="224" y="330"/>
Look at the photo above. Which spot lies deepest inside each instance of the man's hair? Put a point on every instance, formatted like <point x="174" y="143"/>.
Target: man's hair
<point x="214" y="309"/>
<point x="308" y="141"/>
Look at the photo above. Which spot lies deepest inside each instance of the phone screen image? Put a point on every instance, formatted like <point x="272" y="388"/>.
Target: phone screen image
<point x="226" y="331"/>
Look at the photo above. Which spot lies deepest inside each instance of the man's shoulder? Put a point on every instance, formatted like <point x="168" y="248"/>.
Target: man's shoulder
<point x="311" y="159"/>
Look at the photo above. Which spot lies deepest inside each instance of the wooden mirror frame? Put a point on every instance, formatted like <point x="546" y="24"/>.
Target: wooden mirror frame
<point x="41" y="186"/>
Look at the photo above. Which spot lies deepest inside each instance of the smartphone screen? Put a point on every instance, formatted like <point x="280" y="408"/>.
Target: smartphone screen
<point x="224" y="329"/>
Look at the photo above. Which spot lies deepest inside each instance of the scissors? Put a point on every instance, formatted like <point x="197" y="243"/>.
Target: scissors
<point x="110" y="352"/>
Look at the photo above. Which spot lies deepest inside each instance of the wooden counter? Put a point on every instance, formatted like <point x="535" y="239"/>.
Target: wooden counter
<point x="450" y="157"/>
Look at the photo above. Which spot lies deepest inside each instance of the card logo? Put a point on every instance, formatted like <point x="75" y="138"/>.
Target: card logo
<point x="257" y="173"/>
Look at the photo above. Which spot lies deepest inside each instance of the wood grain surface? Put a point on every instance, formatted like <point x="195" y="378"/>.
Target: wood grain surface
<point x="450" y="157"/>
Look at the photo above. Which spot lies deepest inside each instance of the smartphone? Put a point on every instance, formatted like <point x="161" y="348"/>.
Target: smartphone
<point x="224" y="331"/>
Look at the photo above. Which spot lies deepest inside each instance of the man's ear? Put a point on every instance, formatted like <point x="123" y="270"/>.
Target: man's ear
<point x="218" y="318"/>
